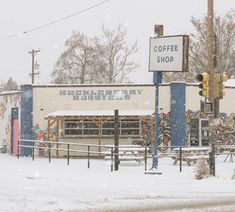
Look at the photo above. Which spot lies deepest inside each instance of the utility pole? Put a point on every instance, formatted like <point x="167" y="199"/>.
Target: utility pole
<point x="33" y="53"/>
<point x="211" y="67"/>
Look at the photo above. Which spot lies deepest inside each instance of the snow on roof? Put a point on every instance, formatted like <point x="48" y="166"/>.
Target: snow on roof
<point x="100" y="113"/>
<point x="9" y="92"/>
<point x="230" y="83"/>
<point x="94" y="85"/>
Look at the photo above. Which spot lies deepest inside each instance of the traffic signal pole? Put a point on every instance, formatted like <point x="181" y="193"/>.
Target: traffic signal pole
<point x="211" y="67"/>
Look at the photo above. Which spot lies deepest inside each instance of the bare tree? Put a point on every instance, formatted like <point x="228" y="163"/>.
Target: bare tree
<point x="95" y="60"/>
<point x="225" y="48"/>
<point x="115" y="55"/>
<point x="74" y="64"/>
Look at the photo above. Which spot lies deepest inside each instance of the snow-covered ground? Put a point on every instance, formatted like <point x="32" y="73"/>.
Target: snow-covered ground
<point x="27" y="185"/>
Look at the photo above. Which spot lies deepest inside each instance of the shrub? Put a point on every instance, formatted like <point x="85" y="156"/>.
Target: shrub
<point x="233" y="176"/>
<point x="201" y="169"/>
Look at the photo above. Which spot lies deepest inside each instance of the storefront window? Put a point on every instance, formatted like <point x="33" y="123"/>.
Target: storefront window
<point x="88" y="127"/>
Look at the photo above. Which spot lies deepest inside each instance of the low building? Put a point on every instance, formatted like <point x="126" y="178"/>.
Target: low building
<point x="84" y="114"/>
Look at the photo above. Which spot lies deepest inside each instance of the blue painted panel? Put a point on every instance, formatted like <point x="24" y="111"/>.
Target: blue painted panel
<point x="26" y="119"/>
<point x="177" y="122"/>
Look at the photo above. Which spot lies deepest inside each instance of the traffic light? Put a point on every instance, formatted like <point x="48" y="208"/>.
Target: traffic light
<point x="219" y="85"/>
<point x="203" y="78"/>
<point x="225" y="78"/>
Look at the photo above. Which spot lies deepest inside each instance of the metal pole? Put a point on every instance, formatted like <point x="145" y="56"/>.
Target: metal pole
<point x="180" y="159"/>
<point x="88" y="156"/>
<point x="68" y="154"/>
<point x="116" y="140"/>
<point x="210" y="52"/>
<point x="157" y="79"/>
<point x="111" y="159"/>
<point x="18" y="149"/>
<point x="145" y="158"/>
<point x="33" y="152"/>
<point x="49" y="152"/>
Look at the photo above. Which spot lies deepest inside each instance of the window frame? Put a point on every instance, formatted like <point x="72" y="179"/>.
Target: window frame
<point x="124" y="125"/>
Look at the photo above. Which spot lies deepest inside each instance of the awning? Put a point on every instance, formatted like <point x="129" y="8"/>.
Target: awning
<point x="62" y="113"/>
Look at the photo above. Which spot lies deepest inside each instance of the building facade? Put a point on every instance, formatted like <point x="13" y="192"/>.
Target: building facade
<point x="84" y="114"/>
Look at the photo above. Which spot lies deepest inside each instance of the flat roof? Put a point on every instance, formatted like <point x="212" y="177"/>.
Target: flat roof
<point x="61" y="113"/>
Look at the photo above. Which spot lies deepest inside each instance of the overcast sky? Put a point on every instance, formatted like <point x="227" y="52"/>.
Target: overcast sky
<point x="138" y="16"/>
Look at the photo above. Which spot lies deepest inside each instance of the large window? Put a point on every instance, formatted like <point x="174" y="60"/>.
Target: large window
<point x="108" y="128"/>
<point x="72" y="127"/>
<point x="130" y="127"/>
<point x="80" y="127"/>
<point x="90" y="128"/>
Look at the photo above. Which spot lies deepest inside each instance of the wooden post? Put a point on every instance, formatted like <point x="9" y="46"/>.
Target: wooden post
<point x="116" y="139"/>
<point x="67" y="154"/>
<point x="145" y="158"/>
<point x="18" y="149"/>
<point x="49" y="151"/>
<point x="33" y="152"/>
<point x="211" y="64"/>
<point x="99" y="126"/>
<point x="57" y="137"/>
<point x="111" y="159"/>
<point x="88" y="156"/>
<point x="180" y="159"/>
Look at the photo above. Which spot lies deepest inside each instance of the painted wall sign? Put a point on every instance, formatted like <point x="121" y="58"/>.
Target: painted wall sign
<point x="101" y="94"/>
<point x="169" y="53"/>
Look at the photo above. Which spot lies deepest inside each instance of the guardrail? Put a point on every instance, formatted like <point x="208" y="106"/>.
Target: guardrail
<point x="110" y="150"/>
<point x="115" y="154"/>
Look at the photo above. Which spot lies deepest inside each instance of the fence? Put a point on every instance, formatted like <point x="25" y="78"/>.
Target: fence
<point x="117" y="153"/>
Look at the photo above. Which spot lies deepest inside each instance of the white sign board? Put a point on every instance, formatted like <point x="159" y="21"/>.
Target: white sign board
<point x="168" y="53"/>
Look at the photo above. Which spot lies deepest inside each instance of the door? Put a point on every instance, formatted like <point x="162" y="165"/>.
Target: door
<point x="14" y="130"/>
<point x="204" y="132"/>
<point x="194" y="132"/>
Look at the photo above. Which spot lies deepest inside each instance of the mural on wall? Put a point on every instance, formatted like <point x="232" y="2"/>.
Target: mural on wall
<point x="3" y="107"/>
<point x="225" y="133"/>
<point x="164" y="133"/>
<point x="226" y="130"/>
<point x="7" y="102"/>
<point x="42" y="136"/>
<point x="145" y="133"/>
<point x="145" y="139"/>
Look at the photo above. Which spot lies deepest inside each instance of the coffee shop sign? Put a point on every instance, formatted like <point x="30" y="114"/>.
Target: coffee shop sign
<point x="169" y="53"/>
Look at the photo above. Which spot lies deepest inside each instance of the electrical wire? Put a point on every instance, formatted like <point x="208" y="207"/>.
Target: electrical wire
<point x="56" y="21"/>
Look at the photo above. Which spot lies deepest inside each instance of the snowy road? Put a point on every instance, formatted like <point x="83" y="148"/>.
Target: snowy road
<point x="179" y="205"/>
<point x="27" y="185"/>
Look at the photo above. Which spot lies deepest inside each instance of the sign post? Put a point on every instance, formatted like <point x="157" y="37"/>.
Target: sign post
<point x="168" y="53"/>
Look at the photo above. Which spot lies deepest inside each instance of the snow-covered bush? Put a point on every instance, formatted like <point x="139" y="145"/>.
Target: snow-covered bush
<point x="233" y="176"/>
<point x="201" y="169"/>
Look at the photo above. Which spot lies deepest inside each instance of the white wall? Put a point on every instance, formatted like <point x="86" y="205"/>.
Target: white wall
<point x="164" y="99"/>
<point x="123" y="97"/>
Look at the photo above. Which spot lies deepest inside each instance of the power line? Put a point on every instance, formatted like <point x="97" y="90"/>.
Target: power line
<point x="56" y="21"/>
